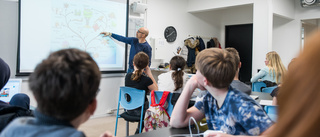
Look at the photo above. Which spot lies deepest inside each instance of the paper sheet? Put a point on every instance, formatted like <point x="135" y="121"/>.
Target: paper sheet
<point x="266" y="102"/>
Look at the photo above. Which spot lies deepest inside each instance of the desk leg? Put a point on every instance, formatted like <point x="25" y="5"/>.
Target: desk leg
<point x="127" y="128"/>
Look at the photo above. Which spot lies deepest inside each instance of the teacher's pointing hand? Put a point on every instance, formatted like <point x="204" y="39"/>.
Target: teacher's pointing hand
<point x="106" y="33"/>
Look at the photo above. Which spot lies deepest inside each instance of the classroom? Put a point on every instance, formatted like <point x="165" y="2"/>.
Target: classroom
<point x="274" y="25"/>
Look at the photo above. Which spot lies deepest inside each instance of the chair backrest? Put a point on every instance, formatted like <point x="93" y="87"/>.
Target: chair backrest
<point x="272" y="112"/>
<point x="158" y="95"/>
<point x="137" y="97"/>
<point x="269" y="89"/>
<point x="256" y="86"/>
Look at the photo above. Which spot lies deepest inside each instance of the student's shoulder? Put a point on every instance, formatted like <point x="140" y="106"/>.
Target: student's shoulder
<point x="128" y="75"/>
<point x="145" y="77"/>
<point x="266" y="69"/>
<point x="164" y="75"/>
<point x="24" y="121"/>
<point x="20" y="123"/>
<point x="237" y="97"/>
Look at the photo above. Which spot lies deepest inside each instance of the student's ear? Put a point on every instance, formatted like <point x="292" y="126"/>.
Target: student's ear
<point x="205" y="81"/>
<point x="92" y="106"/>
<point x="239" y="66"/>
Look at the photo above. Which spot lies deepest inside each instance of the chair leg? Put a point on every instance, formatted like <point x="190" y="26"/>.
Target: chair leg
<point x="115" y="131"/>
<point x="127" y="128"/>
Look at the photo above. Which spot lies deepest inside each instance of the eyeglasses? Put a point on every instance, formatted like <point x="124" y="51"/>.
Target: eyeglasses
<point x="140" y="32"/>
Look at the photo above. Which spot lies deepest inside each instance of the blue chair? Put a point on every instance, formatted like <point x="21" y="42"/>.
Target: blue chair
<point x="272" y="112"/>
<point x="158" y="95"/>
<point x="137" y="99"/>
<point x="269" y="89"/>
<point x="256" y="86"/>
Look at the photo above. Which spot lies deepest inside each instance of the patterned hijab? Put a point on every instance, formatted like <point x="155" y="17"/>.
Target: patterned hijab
<point x="4" y="73"/>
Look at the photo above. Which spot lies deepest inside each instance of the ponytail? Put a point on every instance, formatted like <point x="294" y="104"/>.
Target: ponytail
<point x="177" y="63"/>
<point x="141" y="61"/>
<point x="137" y="75"/>
<point x="177" y="77"/>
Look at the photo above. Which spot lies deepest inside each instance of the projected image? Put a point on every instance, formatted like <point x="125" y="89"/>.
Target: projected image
<point x="10" y="89"/>
<point x="77" y="24"/>
<point x="4" y="92"/>
<point x="61" y="24"/>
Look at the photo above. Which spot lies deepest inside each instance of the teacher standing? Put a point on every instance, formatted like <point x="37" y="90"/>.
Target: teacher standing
<point x="138" y="43"/>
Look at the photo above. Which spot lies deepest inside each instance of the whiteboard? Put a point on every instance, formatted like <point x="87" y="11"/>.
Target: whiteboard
<point x="61" y="24"/>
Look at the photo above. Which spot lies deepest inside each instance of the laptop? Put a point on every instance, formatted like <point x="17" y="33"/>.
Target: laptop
<point x="12" y="87"/>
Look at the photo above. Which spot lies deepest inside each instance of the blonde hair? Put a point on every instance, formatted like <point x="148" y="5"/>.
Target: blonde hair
<point x="275" y="66"/>
<point x="299" y="111"/>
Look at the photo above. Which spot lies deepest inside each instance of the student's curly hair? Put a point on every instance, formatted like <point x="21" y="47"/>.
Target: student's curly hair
<point x="65" y="83"/>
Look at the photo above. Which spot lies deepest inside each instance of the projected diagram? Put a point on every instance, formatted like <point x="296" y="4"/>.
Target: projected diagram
<point x="77" y="25"/>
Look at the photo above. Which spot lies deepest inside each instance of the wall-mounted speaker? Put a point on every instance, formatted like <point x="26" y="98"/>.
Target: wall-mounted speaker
<point x="310" y="3"/>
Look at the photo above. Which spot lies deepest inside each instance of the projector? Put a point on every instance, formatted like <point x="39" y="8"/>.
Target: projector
<point x="310" y="3"/>
<point x="139" y="7"/>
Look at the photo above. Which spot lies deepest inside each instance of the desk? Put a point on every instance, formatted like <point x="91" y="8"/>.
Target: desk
<point x="156" y="72"/>
<point x="166" y="132"/>
<point x="262" y="96"/>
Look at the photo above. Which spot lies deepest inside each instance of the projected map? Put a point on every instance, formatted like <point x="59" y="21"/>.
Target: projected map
<point x="75" y="24"/>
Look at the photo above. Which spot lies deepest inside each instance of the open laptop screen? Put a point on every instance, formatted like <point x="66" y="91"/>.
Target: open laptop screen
<point x="12" y="87"/>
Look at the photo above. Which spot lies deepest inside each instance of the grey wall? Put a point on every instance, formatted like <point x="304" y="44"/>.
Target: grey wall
<point x="9" y="33"/>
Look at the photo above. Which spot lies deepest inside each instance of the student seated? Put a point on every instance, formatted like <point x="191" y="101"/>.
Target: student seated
<point x="273" y="71"/>
<point x="175" y="79"/>
<point x="224" y="108"/>
<point x="299" y="96"/>
<point x="18" y="105"/>
<point x="236" y="83"/>
<point x="140" y="80"/>
<point x="274" y="93"/>
<point x="65" y="86"/>
<point x="20" y="99"/>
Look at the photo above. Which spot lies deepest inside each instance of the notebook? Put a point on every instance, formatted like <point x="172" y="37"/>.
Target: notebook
<point x="12" y="87"/>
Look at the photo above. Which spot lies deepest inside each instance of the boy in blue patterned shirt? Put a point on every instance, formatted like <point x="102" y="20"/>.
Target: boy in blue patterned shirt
<point x="224" y="108"/>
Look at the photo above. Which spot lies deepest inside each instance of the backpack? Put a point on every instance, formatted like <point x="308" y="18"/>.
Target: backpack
<point x="156" y="115"/>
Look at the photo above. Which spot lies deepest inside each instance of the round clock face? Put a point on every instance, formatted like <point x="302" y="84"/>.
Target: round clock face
<point x="170" y="34"/>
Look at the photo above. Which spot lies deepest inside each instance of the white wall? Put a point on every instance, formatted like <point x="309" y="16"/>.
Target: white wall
<point x="205" y="5"/>
<point x="261" y="17"/>
<point x="235" y="16"/>
<point x="284" y="8"/>
<point x="286" y="38"/>
<point x="163" y="13"/>
<point x="276" y="24"/>
<point x="287" y="33"/>
<point x="9" y="33"/>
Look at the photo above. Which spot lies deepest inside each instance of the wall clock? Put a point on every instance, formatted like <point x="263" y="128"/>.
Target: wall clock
<point x="170" y="34"/>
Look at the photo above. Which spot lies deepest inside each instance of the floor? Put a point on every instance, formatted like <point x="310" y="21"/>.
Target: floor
<point x="94" y="127"/>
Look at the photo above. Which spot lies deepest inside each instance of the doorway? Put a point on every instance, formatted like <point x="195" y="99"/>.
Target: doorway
<point x="240" y="38"/>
